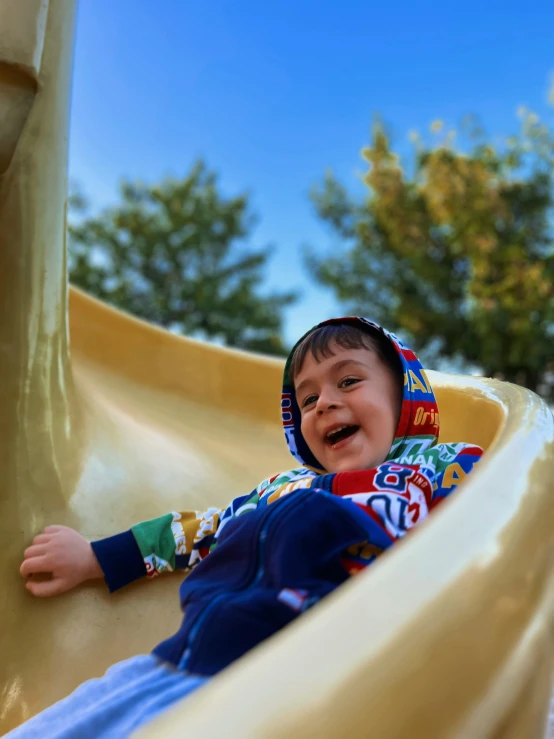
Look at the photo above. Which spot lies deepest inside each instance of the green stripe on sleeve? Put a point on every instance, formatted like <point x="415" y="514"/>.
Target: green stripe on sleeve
<point x="155" y="537"/>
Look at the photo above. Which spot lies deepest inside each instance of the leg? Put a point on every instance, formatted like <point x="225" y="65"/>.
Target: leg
<point x="128" y="695"/>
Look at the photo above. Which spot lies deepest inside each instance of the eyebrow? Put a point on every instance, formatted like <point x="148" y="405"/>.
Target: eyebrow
<point x="338" y="365"/>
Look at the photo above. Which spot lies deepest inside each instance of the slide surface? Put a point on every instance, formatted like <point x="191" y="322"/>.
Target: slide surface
<point x="461" y="641"/>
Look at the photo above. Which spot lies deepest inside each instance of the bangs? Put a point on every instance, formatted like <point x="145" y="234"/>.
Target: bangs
<point x="320" y="344"/>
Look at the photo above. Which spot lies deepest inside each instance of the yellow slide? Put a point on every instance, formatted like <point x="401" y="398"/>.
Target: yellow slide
<point x="107" y="421"/>
<point x="461" y="643"/>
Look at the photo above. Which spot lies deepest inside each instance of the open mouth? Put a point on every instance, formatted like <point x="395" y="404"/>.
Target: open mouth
<point x="340" y="434"/>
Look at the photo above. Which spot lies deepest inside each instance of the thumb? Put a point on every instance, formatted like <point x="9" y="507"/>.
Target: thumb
<point x="46" y="588"/>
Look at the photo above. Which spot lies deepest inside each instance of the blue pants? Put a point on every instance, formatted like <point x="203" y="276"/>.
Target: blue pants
<point x="113" y="706"/>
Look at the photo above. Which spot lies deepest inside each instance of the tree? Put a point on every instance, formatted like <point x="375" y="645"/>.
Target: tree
<point x="175" y="254"/>
<point x="457" y="253"/>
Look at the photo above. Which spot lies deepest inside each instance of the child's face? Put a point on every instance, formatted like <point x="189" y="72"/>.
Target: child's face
<point x="351" y="388"/>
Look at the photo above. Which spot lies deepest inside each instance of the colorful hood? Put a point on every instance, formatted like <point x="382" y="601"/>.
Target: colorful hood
<point x="418" y="427"/>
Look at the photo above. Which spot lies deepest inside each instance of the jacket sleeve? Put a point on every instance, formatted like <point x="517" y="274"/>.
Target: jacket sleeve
<point x="403" y="479"/>
<point x="175" y="541"/>
<point x="397" y="496"/>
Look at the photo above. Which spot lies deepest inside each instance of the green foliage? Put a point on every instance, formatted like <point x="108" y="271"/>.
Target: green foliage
<point x="174" y="254"/>
<point x="458" y="253"/>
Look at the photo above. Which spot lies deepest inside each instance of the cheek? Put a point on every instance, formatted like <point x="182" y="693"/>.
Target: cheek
<point x="307" y="429"/>
<point x="384" y="416"/>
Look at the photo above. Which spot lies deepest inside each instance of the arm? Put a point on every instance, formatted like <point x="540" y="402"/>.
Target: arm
<point x="403" y="479"/>
<point x="173" y="541"/>
<point x="395" y="498"/>
<point x="170" y="542"/>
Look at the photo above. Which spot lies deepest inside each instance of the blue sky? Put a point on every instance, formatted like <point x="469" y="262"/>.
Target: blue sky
<point x="274" y="94"/>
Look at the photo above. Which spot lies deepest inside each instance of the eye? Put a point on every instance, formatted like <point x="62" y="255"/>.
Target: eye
<point x="309" y="400"/>
<point x="347" y="381"/>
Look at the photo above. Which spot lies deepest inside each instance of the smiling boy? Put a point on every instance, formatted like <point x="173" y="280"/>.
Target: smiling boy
<point x="361" y="418"/>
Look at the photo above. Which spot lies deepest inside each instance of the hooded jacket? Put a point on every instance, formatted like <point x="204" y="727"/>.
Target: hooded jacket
<point x="307" y="530"/>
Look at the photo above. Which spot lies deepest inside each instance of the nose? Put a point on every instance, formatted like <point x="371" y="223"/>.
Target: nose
<point x="326" y="401"/>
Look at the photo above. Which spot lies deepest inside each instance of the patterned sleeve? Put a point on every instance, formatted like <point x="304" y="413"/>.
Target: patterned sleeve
<point x="395" y="497"/>
<point x="175" y="541"/>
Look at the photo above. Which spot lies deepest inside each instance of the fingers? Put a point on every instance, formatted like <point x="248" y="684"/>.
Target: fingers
<point x="45" y="557"/>
<point x="53" y="529"/>
<point x="35" y="564"/>
<point x="46" y="588"/>
<point x="35" y="550"/>
<point x="47" y="534"/>
<point x="42" y="538"/>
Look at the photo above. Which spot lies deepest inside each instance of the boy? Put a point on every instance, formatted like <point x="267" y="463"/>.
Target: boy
<point x="361" y="418"/>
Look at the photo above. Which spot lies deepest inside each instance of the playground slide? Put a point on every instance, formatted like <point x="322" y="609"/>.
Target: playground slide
<point x="461" y="641"/>
<point x="107" y="420"/>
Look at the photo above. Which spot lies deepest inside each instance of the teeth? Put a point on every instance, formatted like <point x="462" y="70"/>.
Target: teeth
<point x="335" y="431"/>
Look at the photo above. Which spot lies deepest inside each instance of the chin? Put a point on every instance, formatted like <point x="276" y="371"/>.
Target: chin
<point x="354" y="465"/>
<point x="349" y="465"/>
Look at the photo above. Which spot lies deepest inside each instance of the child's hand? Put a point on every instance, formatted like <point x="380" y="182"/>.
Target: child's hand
<point x="63" y="553"/>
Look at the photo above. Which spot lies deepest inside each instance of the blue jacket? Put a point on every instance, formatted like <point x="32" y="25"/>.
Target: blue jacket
<point x="268" y="567"/>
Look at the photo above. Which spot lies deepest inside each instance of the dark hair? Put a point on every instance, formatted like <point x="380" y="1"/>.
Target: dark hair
<point x="318" y="344"/>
